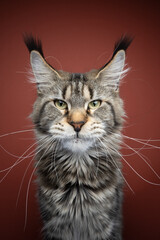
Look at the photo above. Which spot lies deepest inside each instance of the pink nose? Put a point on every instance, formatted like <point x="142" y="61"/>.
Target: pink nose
<point x="77" y="125"/>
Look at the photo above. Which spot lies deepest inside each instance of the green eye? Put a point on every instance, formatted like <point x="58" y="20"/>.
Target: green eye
<point x="94" y="104"/>
<point x="60" y="104"/>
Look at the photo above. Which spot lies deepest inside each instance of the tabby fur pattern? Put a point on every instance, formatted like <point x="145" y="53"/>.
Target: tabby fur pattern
<point x="78" y="120"/>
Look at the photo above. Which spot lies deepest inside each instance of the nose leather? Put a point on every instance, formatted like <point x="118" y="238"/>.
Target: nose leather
<point x="77" y="125"/>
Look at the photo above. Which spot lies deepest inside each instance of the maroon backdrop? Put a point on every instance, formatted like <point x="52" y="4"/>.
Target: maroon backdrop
<point x="79" y="37"/>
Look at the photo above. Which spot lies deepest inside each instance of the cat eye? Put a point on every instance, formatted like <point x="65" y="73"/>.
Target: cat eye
<point x="60" y="104"/>
<point x="94" y="104"/>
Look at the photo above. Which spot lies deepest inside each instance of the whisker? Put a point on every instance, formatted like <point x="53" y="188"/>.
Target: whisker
<point x="19" y="160"/>
<point x="22" y="72"/>
<point x="40" y="148"/>
<point x="29" y="183"/>
<point x="23" y="181"/>
<point x="147" y="140"/>
<point x="20" y="131"/>
<point x="9" y="153"/>
<point x="144" y="160"/>
<point x="140" y="141"/>
<point x="152" y="183"/>
<point x="117" y="167"/>
<point x="16" y="163"/>
<point x="121" y="174"/>
<point x="97" y="156"/>
<point x="56" y="60"/>
<point x="134" y="152"/>
<point x="54" y="160"/>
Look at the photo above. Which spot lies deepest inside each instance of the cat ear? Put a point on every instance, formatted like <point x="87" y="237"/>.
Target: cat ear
<point x="112" y="72"/>
<point x="44" y="74"/>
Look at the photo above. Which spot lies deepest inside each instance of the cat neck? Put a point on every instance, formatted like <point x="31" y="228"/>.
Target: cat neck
<point x="63" y="168"/>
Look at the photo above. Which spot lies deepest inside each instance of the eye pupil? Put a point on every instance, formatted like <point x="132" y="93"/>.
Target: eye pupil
<point x="94" y="104"/>
<point x="60" y="104"/>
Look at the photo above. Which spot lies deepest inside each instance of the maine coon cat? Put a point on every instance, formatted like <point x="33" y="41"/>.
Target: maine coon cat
<point x="78" y="120"/>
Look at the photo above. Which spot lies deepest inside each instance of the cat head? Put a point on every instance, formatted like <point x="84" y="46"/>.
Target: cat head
<point x="78" y="110"/>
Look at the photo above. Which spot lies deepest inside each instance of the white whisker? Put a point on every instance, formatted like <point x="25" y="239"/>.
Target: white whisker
<point x="142" y="142"/>
<point x="40" y="148"/>
<point x="27" y="194"/>
<point x="137" y="152"/>
<point x="9" y="153"/>
<point x="54" y="160"/>
<point x="12" y="133"/>
<point x="56" y="60"/>
<point x="97" y="156"/>
<point x="116" y="165"/>
<point x="19" y="160"/>
<point x="152" y="183"/>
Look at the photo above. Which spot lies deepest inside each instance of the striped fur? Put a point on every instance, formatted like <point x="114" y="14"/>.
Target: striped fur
<point x="79" y="171"/>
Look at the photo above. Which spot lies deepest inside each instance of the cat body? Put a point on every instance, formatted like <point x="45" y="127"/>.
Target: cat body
<point x="78" y="120"/>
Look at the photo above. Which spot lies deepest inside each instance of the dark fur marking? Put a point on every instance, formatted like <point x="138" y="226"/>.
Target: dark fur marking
<point x="39" y="127"/>
<point x="121" y="44"/>
<point x="91" y="92"/>
<point x="33" y="43"/>
<point x="113" y="113"/>
<point x="64" y="92"/>
<point x="75" y="77"/>
<point x="85" y="78"/>
<point x="62" y="130"/>
<point x="37" y="123"/>
<point x="42" y="109"/>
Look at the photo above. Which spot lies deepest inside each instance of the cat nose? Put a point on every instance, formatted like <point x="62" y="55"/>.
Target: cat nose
<point x="77" y="125"/>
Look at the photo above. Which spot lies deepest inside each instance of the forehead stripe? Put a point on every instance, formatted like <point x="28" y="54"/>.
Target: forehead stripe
<point x="91" y="92"/>
<point x="64" y="91"/>
<point x="68" y="92"/>
<point x="86" y="92"/>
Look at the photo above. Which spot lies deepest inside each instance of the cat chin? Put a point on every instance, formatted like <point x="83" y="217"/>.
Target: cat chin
<point x="77" y="145"/>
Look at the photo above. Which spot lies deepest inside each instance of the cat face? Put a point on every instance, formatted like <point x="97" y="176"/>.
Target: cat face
<point x="77" y="110"/>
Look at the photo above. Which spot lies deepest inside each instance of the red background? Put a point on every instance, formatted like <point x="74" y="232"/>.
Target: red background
<point x="80" y="36"/>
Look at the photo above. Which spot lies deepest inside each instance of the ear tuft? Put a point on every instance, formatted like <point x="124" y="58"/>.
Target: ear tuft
<point x="44" y="74"/>
<point x="122" y="44"/>
<point x="33" y="43"/>
<point x="112" y="72"/>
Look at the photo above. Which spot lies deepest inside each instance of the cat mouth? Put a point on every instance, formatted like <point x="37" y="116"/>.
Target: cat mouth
<point x="80" y="138"/>
<point x="77" y="139"/>
<point x="77" y="143"/>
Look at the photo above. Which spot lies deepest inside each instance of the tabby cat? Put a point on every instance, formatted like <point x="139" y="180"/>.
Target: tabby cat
<point x="78" y="120"/>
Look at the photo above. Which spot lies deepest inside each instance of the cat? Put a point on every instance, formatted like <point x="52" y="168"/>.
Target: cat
<point x="78" y="120"/>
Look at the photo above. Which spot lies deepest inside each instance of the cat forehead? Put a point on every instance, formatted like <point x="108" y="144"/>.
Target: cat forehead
<point x="78" y="77"/>
<point x="83" y="87"/>
<point x="77" y="88"/>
